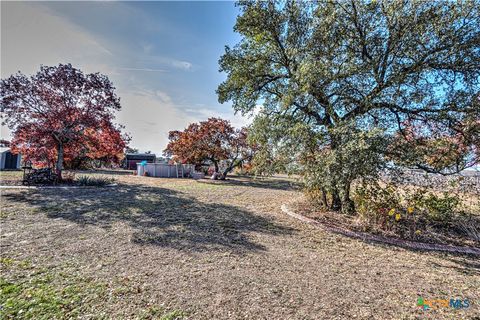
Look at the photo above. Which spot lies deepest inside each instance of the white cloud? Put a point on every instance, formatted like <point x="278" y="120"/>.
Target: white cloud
<point x="149" y="116"/>
<point x="185" y="65"/>
<point x="33" y="35"/>
<point x="203" y="113"/>
<point x="143" y="69"/>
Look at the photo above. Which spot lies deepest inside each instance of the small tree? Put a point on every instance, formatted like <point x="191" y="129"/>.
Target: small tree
<point x="60" y="113"/>
<point x="211" y="141"/>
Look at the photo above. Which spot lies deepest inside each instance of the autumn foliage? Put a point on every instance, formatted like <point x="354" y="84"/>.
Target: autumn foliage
<point x="437" y="149"/>
<point x="61" y="114"/>
<point x="210" y="142"/>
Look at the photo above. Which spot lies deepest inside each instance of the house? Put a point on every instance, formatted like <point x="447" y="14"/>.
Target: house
<point x="131" y="159"/>
<point x="8" y="160"/>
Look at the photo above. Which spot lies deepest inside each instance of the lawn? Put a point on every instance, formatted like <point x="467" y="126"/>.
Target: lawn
<point x="151" y="248"/>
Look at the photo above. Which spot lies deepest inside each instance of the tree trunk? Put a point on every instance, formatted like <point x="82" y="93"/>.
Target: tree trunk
<point x="324" y="199"/>
<point x="59" y="165"/>
<point x="224" y="174"/>
<point x="215" y="175"/>
<point x="348" y="206"/>
<point x="336" y="201"/>
<point x="228" y="170"/>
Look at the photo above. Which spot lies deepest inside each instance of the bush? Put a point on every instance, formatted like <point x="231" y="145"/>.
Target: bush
<point x="94" y="181"/>
<point x="316" y="197"/>
<point x="436" y="208"/>
<point x="358" y="155"/>
<point x="407" y="212"/>
<point x="244" y="169"/>
<point x="379" y="206"/>
<point x="68" y="177"/>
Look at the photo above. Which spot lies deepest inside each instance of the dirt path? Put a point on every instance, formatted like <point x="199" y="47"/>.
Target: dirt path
<point x="224" y="251"/>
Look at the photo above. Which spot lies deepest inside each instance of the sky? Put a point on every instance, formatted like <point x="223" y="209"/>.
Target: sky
<point x="161" y="56"/>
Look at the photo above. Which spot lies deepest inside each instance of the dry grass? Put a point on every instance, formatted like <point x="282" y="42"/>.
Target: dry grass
<point x="201" y="250"/>
<point x="13" y="177"/>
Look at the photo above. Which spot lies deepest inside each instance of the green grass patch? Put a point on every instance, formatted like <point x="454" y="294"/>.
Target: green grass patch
<point x="27" y="292"/>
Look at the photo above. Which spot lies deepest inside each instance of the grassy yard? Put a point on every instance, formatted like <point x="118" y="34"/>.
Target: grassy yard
<point x="152" y="248"/>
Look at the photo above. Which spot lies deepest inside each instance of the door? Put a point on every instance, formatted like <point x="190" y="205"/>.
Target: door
<point x="10" y="160"/>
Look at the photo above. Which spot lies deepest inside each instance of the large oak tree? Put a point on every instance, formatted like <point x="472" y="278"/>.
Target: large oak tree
<point x="61" y="113"/>
<point x="339" y="79"/>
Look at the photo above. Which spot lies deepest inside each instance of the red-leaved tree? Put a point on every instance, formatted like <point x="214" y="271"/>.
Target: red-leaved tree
<point x="210" y="142"/>
<point x="442" y="147"/>
<point x="60" y="114"/>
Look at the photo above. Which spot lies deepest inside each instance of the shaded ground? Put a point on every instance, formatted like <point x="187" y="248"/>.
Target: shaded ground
<point x="152" y="248"/>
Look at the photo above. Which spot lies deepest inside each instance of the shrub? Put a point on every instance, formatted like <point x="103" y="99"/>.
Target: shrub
<point x="244" y="169"/>
<point x="405" y="211"/>
<point x="68" y="177"/>
<point x="380" y="206"/>
<point x="333" y="170"/>
<point x="316" y="197"/>
<point x="94" y="181"/>
<point x="436" y="208"/>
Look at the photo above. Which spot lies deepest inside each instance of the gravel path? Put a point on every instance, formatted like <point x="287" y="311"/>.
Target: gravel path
<point x="225" y="250"/>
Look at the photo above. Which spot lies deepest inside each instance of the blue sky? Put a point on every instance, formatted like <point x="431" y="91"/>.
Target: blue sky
<point x="161" y="56"/>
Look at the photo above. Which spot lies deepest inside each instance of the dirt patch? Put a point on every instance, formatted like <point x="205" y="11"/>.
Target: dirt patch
<point x="220" y="250"/>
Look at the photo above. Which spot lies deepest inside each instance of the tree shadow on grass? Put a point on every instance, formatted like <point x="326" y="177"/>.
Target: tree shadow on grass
<point x="157" y="216"/>
<point x="467" y="265"/>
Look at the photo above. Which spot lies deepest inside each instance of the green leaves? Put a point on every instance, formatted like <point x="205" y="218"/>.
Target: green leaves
<point x="354" y="74"/>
